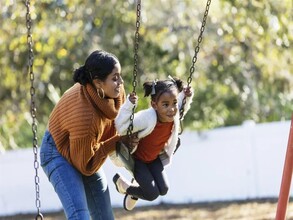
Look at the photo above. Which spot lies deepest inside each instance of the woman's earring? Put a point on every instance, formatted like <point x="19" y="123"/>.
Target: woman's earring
<point x="101" y="93"/>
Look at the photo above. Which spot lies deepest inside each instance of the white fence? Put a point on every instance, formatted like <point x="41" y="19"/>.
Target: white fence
<point x="234" y="163"/>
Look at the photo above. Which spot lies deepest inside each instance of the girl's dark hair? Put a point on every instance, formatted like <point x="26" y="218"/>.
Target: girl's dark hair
<point x="98" y="65"/>
<point x="156" y="88"/>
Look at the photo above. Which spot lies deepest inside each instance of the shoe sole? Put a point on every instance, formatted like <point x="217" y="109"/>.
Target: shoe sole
<point x="124" y="201"/>
<point x="115" y="179"/>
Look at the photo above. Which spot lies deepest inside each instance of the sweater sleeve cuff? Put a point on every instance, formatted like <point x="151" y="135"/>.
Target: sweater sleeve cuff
<point x="110" y="145"/>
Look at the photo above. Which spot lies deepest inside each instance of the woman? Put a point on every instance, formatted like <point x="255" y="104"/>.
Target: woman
<point x="80" y="136"/>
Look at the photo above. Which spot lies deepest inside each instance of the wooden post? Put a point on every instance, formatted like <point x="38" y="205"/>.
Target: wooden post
<point x="286" y="178"/>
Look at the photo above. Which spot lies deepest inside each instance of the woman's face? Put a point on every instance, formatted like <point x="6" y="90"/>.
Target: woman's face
<point x="112" y="84"/>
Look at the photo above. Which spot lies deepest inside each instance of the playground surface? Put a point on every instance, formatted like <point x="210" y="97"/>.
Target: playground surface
<point x="264" y="209"/>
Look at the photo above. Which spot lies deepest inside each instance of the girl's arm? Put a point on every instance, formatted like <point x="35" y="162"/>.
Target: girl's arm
<point x="122" y="120"/>
<point x="143" y="121"/>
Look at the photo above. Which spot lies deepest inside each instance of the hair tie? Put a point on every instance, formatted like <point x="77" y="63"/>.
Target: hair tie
<point x="154" y="83"/>
<point x="172" y="79"/>
<point x="90" y="75"/>
<point x="86" y="70"/>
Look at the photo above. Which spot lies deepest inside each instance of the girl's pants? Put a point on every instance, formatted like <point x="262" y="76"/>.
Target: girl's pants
<point x="81" y="196"/>
<point x="151" y="178"/>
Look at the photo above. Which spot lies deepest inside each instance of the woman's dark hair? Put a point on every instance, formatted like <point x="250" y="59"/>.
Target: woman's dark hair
<point x="157" y="88"/>
<point x="98" y="65"/>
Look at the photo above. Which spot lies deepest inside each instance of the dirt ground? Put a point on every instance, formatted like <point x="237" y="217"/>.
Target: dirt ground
<point x="264" y="209"/>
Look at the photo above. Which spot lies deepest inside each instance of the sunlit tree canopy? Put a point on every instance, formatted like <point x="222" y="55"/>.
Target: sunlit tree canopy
<point x="243" y="69"/>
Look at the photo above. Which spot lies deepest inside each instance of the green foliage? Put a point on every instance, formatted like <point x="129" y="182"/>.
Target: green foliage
<point x="243" y="71"/>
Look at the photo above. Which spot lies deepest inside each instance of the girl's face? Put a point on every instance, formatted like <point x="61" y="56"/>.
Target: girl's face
<point x="166" y="106"/>
<point x="112" y="84"/>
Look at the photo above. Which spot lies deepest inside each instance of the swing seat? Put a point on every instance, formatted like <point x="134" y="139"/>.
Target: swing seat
<point x="124" y="156"/>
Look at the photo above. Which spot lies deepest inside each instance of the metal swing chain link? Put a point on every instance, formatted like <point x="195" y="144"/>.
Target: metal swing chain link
<point x="33" y="107"/>
<point x="135" y="68"/>
<point x="136" y="45"/>
<point x="194" y="59"/>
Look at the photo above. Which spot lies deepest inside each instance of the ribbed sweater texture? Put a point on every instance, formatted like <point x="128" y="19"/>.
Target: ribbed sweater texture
<point x="82" y="126"/>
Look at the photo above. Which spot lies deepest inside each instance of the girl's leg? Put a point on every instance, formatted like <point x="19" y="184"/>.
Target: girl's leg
<point x="147" y="188"/>
<point x="66" y="180"/>
<point x="160" y="176"/>
<point x="98" y="196"/>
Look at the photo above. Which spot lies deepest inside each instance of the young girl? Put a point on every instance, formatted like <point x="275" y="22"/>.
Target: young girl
<point x="157" y="128"/>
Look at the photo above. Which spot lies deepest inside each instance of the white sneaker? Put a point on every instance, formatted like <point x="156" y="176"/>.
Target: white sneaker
<point x="121" y="183"/>
<point x="129" y="202"/>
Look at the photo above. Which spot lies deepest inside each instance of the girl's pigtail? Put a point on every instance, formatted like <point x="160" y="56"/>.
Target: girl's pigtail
<point x="179" y="84"/>
<point x="147" y="86"/>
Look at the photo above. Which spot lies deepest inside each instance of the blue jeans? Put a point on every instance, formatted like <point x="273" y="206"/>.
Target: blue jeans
<point x="81" y="196"/>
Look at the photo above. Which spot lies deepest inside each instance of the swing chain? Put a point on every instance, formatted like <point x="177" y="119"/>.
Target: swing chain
<point x="135" y="68"/>
<point x="136" y="45"/>
<point x="194" y="59"/>
<point x="33" y="106"/>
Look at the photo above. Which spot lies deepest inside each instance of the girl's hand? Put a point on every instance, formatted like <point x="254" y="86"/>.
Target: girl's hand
<point x="187" y="91"/>
<point x="133" y="98"/>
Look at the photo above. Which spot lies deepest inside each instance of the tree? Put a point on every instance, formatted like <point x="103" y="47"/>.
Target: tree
<point x="244" y="67"/>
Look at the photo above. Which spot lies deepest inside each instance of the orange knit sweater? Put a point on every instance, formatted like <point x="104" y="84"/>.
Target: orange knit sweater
<point x="82" y="126"/>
